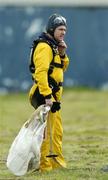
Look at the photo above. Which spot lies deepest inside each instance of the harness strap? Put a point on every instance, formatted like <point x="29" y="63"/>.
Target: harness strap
<point x="58" y="65"/>
<point x="58" y="84"/>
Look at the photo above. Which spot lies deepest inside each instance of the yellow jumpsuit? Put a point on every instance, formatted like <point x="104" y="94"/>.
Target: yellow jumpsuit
<point x="42" y="58"/>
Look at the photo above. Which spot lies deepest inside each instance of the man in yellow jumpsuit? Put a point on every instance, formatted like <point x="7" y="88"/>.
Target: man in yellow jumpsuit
<point x="48" y="63"/>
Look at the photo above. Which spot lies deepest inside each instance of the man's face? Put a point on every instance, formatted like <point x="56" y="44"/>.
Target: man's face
<point x="59" y="33"/>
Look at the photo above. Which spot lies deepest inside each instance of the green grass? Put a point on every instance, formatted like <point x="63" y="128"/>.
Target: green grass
<point x="85" y="140"/>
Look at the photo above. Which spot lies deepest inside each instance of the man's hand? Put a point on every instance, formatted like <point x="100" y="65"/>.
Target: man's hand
<point x="48" y="102"/>
<point x="62" y="48"/>
<point x="55" y="106"/>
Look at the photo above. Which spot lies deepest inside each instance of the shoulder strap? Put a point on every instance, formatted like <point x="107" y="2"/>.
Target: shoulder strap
<point x="31" y="64"/>
<point x="54" y="50"/>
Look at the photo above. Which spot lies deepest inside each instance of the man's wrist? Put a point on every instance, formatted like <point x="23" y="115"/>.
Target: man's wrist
<point x="48" y="96"/>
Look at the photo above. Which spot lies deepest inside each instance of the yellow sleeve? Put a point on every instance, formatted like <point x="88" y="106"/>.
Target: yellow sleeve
<point x="65" y="62"/>
<point x="42" y="58"/>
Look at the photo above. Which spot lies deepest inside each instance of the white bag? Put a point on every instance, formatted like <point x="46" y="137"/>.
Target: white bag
<point x="24" y="153"/>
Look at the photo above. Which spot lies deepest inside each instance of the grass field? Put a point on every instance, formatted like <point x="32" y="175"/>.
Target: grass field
<point x="85" y="140"/>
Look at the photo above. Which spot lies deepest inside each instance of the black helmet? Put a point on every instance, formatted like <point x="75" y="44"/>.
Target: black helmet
<point x="54" y="21"/>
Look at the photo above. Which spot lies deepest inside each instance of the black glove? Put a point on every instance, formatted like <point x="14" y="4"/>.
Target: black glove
<point x="55" y="107"/>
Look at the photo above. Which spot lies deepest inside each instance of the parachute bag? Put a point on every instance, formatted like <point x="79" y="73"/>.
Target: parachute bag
<point x="24" y="153"/>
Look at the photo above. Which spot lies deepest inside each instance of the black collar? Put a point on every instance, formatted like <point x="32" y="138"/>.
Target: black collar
<point x="45" y="36"/>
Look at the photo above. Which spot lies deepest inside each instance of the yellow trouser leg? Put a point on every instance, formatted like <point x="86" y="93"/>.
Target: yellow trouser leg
<point x="54" y="120"/>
